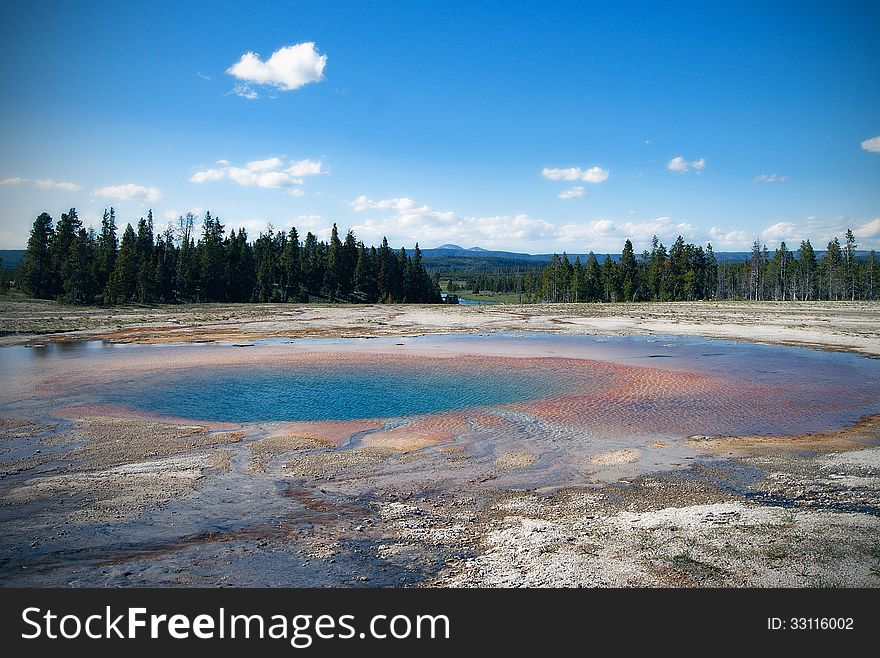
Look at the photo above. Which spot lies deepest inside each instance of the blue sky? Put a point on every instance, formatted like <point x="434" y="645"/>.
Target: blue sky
<point x="533" y="127"/>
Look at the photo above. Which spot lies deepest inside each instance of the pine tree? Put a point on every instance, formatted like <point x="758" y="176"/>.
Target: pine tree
<point x="146" y="261"/>
<point x="710" y="280"/>
<point x="849" y="247"/>
<point x="66" y="231"/>
<point x="122" y="286"/>
<point x="291" y="263"/>
<point x="106" y="246"/>
<point x="807" y="270"/>
<point x="77" y="270"/>
<point x="36" y="271"/>
<point x="212" y="266"/>
<point x="628" y="273"/>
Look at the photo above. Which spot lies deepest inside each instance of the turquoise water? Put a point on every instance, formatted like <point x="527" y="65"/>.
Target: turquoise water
<point x="299" y="393"/>
<point x="767" y="388"/>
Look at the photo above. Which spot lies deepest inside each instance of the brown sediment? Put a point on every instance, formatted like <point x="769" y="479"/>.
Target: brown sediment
<point x="113" y="441"/>
<point x="513" y="460"/>
<point x="265" y="449"/>
<point x="356" y="462"/>
<point x="326" y="433"/>
<point x="861" y="434"/>
<point x="616" y="457"/>
<point x="115" y="494"/>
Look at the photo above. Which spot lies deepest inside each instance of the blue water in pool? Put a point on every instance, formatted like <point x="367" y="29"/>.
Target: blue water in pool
<point x="299" y="393"/>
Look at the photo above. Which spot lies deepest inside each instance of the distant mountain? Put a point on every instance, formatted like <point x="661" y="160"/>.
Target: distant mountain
<point x="12" y="257"/>
<point x="455" y="247"/>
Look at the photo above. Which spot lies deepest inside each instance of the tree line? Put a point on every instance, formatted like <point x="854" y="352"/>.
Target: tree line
<point x="71" y="263"/>
<point x="687" y="272"/>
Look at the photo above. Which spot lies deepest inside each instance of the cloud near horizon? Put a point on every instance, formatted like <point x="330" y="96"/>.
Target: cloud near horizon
<point x="286" y="69"/>
<point x="129" y="192"/>
<point x="404" y="221"/>
<point x="42" y="183"/>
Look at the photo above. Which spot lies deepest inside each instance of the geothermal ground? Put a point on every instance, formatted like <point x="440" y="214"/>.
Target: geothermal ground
<point x="103" y="495"/>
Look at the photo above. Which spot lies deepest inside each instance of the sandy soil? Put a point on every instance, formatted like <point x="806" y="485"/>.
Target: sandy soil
<point x="112" y="499"/>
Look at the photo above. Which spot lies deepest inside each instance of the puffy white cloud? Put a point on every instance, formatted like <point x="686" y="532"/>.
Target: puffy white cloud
<point x="403" y="221"/>
<point x="264" y="165"/>
<point x="869" y="230"/>
<point x="208" y="176"/>
<point x="43" y="184"/>
<point x="771" y="178"/>
<point x="818" y="230"/>
<point x="610" y="234"/>
<point x="305" y="168"/>
<point x="573" y="193"/>
<point x="287" y="68"/>
<point x="591" y="175"/>
<point x="872" y="145"/>
<point x="732" y="239"/>
<point x="788" y="232"/>
<point x="129" y="192"/>
<point x="269" y="173"/>
<point x="679" y="164"/>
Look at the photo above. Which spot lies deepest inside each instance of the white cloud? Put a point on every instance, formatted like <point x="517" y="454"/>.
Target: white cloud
<point x="872" y="145"/>
<point x="43" y="184"/>
<point x="203" y="76"/>
<point x="732" y="239"/>
<point x="405" y="221"/>
<point x="287" y="68"/>
<point x="681" y="165"/>
<point x="573" y="193"/>
<point x="591" y="175"/>
<point x="818" y="230"/>
<point x="788" y="232"/>
<point x="771" y="178"/>
<point x="208" y="176"/>
<point x="264" y="165"/>
<point x="610" y="234"/>
<point x="305" y="168"/>
<point x="243" y="91"/>
<point x="129" y="192"/>
<point x="869" y="230"/>
<point x="174" y="213"/>
<point x="269" y="173"/>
